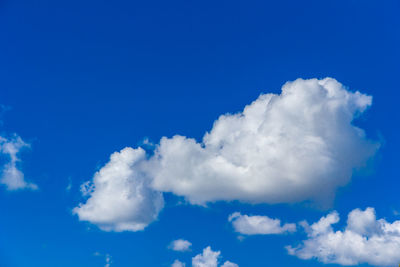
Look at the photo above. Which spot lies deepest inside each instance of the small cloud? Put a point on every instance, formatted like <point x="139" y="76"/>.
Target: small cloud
<point x="180" y="245"/>
<point x="146" y="141"/>
<point x="210" y="258"/>
<point x="259" y="225"/>
<point x="147" y="144"/>
<point x="229" y="264"/>
<point x="178" y="263"/>
<point x="12" y="177"/>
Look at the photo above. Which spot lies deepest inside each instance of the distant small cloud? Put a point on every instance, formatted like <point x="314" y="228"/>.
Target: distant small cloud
<point x="259" y="225"/>
<point x="12" y="177"/>
<point x="178" y="263"/>
<point x="180" y="245"/>
<point x="210" y="258"/>
<point x="229" y="264"/>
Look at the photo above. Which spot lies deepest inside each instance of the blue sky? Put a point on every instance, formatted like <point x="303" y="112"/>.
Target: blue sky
<point x="81" y="80"/>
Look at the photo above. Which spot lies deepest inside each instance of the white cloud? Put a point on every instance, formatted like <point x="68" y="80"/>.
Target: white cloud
<point x="210" y="258"/>
<point x="259" y="225"/>
<point x="180" y="245"/>
<point x="178" y="263"/>
<point x="120" y="198"/>
<point x="229" y="264"/>
<point x="11" y="176"/>
<point x="299" y="145"/>
<point x="364" y="240"/>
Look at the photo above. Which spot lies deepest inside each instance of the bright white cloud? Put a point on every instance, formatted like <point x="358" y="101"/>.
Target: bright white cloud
<point x="180" y="245"/>
<point x="364" y="240"/>
<point x="259" y="225"/>
<point x="11" y="176"/>
<point x="296" y="146"/>
<point x="178" y="263"/>
<point x="120" y="198"/>
<point x="210" y="258"/>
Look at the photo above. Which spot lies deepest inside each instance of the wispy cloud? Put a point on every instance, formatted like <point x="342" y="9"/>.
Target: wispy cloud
<point x="12" y="177"/>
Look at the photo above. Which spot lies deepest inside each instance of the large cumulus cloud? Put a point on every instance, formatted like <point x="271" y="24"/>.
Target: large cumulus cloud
<point x="297" y="146"/>
<point x="291" y="147"/>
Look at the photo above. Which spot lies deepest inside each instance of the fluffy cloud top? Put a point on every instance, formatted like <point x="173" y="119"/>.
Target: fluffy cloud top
<point x="11" y="176"/>
<point x="210" y="258"/>
<point x="297" y="146"/>
<point x="364" y="240"/>
<point x="180" y="245"/>
<point x="119" y="196"/>
<point x="259" y="225"/>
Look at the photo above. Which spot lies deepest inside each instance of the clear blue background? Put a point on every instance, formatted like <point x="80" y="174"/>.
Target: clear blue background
<point x="86" y="78"/>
